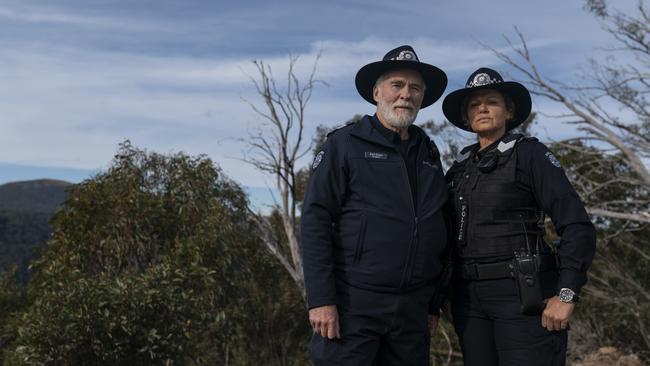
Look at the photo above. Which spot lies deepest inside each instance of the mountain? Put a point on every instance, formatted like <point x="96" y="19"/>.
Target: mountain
<point x="25" y="211"/>
<point x="43" y="195"/>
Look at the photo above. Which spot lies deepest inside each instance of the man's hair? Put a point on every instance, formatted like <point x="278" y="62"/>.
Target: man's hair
<point x="383" y="77"/>
<point x="510" y="107"/>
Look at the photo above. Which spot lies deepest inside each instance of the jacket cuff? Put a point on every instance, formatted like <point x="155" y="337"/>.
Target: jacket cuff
<point x="571" y="279"/>
<point x="320" y="301"/>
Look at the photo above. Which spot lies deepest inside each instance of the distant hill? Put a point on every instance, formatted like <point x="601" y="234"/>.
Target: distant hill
<point x="43" y="195"/>
<point x="25" y="211"/>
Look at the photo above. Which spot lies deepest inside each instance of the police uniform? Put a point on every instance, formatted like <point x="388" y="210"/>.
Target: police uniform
<point x="373" y="233"/>
<point x="371" y="242"/>
<point x="497" y="201"/>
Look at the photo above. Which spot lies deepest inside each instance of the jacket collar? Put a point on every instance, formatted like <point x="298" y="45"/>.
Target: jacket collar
<point x="504" y="146"/>
<point x="364" y="130"/>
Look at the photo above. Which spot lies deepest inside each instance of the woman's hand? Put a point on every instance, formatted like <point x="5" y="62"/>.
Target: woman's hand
<point x="556" y="315"/>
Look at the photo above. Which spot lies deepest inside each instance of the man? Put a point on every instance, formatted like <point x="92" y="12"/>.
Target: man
<point x="372" y="230"/>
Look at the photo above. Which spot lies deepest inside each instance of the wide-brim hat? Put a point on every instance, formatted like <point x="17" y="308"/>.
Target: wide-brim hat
<point x="402" y="57"/>
<point x="486" y="78"/>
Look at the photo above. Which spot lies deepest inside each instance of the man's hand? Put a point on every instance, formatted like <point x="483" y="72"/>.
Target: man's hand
<point x="556" y="315"/>
<point x="324" y="320"/>
<point x="433" y="324"/>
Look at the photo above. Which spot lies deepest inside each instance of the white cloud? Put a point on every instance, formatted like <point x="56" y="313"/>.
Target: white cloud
<point x="48" y="15"/>
<point x="71" y="104"/>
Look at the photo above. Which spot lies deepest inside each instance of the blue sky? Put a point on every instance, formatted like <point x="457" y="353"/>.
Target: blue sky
<point x="78" y="77"/>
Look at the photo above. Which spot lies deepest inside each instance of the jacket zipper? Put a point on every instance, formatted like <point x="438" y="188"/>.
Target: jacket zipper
<point x="406" y="273"/>
<point x="360" y="240"/>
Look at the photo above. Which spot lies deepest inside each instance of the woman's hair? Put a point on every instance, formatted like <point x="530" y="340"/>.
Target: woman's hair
<point x="510" y="107"/>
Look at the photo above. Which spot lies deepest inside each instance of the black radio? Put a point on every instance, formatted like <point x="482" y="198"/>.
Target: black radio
<point x="527" y="275"/>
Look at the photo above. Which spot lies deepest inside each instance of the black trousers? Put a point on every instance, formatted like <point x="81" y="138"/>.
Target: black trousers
<point x="493" y="332"/>
<point x="377" y="329"/>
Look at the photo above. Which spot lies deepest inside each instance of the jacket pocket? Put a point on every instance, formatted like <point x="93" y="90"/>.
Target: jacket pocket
<point x="358" y="250"/>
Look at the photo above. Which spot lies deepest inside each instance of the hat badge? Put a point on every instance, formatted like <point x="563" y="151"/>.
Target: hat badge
<point x="481" y="79"/>
<point x="406" y="55"/>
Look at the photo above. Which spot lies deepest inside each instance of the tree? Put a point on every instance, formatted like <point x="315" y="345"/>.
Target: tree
<point x="155" y="262"/>
<point x="275" y="149"/>
<point x="617" y="136"/>
<point x="614" y="309"/>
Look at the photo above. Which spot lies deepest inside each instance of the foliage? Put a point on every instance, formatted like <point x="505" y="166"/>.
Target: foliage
<point x="22" y="234"/>
<point x="12" y="299"/>
<point x="156" y="262"/>
<point x="614" y="310"/>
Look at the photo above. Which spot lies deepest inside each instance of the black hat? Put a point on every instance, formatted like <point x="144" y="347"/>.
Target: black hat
<point x="402" y="57"/>
<point x="485" y="78"/>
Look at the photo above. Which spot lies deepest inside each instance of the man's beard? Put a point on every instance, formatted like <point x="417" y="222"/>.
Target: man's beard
<point x="396" y="119"/>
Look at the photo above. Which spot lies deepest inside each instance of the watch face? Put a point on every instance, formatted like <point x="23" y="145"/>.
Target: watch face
<point x="566" y="295"/>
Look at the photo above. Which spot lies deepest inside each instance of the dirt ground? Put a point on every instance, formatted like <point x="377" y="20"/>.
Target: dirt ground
<point x="610" y="356"/>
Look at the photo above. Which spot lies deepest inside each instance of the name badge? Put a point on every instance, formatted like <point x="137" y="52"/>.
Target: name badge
<point x="376" y="155"/>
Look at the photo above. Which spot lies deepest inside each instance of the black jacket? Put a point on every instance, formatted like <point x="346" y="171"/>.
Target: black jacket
<point x="539" y="177"/>
<point x="359" y="225"/>
<point x="493" y="215"/>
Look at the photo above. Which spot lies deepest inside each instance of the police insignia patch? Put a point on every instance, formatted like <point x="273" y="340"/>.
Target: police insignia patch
<point x="553" y="159"/>
<point x="317" y="159"/>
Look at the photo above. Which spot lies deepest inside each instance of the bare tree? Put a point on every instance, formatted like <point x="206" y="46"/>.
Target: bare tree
<point x="275" y="149"/>
<point x="626" y="141"/>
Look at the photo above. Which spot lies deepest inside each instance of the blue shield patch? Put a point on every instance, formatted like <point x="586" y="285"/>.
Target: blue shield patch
<point x="317" y="159"/>
<point x="553" y="159"/>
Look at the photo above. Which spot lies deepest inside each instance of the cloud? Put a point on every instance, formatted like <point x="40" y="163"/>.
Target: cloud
<point x="55" y="16"/>
<point x="172" y="78"/>
<point x="70" y="107"/>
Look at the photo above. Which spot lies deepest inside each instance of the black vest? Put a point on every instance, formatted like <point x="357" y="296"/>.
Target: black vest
<point x="493" y="215"/>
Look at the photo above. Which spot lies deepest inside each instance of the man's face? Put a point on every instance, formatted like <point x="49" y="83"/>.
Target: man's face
<point x="399" y="95"/>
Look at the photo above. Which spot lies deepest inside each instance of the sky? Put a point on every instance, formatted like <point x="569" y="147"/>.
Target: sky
<point x="77" y="77"/>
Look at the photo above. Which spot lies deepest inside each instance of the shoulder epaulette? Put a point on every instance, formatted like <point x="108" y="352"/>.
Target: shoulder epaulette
<point x="509" y="141"/>
<point x="465" y="153"/>
<point x="346" y="124"/>
<point x="528" y="139"/>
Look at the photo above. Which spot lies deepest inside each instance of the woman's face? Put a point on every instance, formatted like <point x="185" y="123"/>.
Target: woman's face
<point x="487" y="112"/>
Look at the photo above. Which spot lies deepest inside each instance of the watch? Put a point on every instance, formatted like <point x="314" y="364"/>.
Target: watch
<point x="567" y="295"/>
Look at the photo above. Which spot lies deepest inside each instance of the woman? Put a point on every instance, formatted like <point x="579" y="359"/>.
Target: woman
<point x="513" y="293"/>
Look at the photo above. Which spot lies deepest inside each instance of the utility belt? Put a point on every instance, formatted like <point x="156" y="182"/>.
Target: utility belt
<point x="506" y="269"/>
<point x="524" y="268"/>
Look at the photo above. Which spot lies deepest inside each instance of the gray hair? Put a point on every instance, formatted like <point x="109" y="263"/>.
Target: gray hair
<point x="383" y="77"/>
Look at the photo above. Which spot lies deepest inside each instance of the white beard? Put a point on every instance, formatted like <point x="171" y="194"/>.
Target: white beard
<point x="402" y="119"/>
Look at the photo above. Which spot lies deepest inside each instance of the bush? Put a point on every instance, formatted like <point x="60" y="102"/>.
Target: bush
<point x="155" y="262"/>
